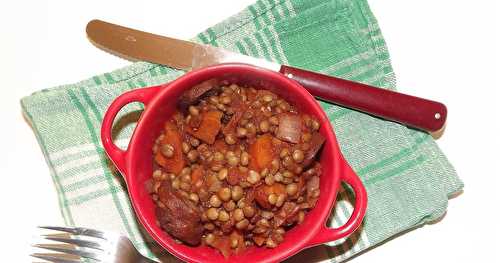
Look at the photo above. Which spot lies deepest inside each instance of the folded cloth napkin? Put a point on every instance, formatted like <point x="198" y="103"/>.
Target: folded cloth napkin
<point x="407" y="177"/>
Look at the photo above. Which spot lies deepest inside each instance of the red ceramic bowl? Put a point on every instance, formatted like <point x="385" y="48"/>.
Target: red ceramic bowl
<point x="135" y="164"/>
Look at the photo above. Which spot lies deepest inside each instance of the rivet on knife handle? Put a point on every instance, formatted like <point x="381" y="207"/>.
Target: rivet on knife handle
<point x="413" y="111"/>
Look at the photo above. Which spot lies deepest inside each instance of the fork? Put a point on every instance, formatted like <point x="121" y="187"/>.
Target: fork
<point x="98" y="246"/>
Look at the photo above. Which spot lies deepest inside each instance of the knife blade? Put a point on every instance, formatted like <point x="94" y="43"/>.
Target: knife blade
<point x="133" y="44"/>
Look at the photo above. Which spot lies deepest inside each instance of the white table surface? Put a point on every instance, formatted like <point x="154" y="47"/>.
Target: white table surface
<point x="443" y="50"/>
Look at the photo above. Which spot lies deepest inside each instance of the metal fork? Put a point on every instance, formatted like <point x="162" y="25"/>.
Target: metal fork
<point x="78" y="243"/>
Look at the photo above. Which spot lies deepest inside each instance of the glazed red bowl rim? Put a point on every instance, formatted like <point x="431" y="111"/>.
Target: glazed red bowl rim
<point x="312" y="238"/>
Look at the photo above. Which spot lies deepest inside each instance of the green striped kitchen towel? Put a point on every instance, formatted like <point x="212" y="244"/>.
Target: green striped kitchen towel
<point x="407" y="177"/>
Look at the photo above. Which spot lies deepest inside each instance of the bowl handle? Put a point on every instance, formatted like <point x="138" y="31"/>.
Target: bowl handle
<point x="326" y="234"/>
<point x="117" y="155"/>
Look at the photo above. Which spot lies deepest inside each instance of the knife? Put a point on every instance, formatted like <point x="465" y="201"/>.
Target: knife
<point x="133" y="44"/>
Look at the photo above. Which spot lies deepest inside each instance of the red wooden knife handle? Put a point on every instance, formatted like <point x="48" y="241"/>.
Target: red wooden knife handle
<point x="413" y="111"/>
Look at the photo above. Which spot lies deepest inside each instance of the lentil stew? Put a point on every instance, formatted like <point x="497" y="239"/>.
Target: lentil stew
<point x="235" y="167"/>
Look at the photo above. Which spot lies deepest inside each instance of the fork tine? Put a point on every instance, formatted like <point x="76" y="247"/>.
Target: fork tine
<point x="58" y="235"/>
<point x="71" y="230"/>
<point x="78" y="242"/>
<point x="55" y="258"/>
<point x="68" y="249"/>
<point x="77" y="231"/>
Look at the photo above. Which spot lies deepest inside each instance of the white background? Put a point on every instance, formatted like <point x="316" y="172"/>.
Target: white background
<point x="443" y="50"/>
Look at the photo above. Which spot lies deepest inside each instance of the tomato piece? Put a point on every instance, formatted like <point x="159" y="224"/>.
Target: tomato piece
<point x="263" y="191"/>
<point x="223" y="244"/>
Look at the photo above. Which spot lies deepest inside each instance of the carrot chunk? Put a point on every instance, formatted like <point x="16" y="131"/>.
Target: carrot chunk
<point x="261" y="152"/>
<point x="175" y="163"/>
<point x="209" y="127"/>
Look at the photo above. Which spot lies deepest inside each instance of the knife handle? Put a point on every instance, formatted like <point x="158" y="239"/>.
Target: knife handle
<point x="409" y="110"/>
